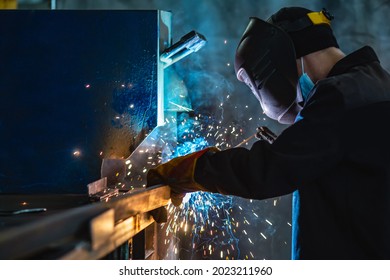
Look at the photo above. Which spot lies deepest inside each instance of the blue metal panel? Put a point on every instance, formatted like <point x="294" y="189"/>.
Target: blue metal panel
<point x="75" y="86"/>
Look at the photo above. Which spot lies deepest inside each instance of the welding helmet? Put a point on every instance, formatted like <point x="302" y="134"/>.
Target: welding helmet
<point x="267" y="52"/>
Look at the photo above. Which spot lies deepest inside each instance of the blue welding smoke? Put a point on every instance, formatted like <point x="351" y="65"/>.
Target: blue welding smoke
<point x="187" y="147"/>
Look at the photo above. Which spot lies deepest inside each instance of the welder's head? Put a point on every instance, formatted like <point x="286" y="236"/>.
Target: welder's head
<point x="267" y="52"/>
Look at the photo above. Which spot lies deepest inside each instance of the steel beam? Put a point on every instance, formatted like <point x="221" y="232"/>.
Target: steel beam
<point x="88" y="232"/>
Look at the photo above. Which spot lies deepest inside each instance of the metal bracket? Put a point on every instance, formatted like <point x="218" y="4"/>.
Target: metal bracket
<point x="98" y="190"/>
<point x="189" y="43"/>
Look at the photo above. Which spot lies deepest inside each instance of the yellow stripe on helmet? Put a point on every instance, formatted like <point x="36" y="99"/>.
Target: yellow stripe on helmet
<point x="318" y="18"/>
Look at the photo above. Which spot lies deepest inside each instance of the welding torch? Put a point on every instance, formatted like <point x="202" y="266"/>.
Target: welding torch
<point x="262" y="133"/>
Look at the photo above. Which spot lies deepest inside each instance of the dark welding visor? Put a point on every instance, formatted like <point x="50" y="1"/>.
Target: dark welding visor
<point x="265" y="61"/>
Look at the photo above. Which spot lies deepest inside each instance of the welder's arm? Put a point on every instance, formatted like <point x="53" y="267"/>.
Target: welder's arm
<point x="301" y="154"/>
<point x="178" y="173"/>
<point x="267" y="170"/>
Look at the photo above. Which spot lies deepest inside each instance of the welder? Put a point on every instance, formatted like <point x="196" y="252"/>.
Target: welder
<point x="334" y="156"/>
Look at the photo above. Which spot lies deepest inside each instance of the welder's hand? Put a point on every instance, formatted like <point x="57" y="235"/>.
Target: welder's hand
<point x="178" y="174"/>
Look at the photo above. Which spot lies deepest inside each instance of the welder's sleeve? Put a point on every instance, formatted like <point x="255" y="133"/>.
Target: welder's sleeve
<point x="178" y="174"/>
<point x="301" y="154"/>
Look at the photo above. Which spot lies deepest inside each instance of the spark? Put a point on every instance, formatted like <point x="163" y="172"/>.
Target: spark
<point x="201" y="211"/>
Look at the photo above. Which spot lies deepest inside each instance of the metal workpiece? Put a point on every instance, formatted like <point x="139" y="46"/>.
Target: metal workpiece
<point x="130" y="173"/>
<point x="90" y="231"/>
<point x="100" y="191"/>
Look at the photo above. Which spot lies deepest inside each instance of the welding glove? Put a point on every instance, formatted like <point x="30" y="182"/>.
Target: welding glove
<point x="178" y="174"/>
